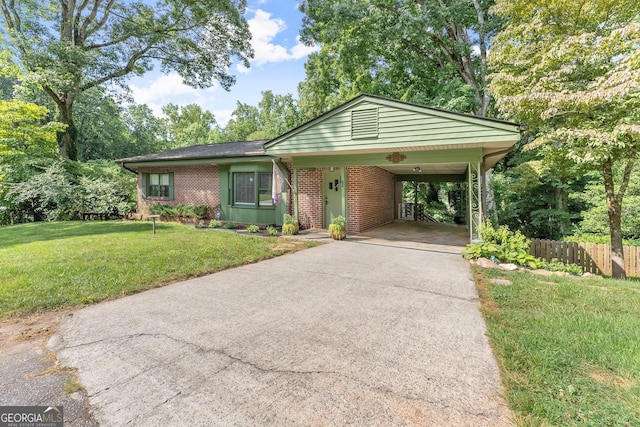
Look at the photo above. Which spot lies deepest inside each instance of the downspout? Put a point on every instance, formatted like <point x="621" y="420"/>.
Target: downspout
<point x="130" y="170"/>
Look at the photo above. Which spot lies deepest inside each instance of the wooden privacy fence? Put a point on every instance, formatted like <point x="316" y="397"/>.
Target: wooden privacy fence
<point x="592" y="257"/>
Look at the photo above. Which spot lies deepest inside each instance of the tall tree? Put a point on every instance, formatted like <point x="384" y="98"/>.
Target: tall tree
<point x="571" y="70"/>
<point x="413" y="46"/>
<point x="274" y="115"/>
<point x="70" y="46"/>
<point x="188" y="125"/>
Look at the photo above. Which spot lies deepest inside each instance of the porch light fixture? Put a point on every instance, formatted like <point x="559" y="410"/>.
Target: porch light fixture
<point x="417" y="169"/>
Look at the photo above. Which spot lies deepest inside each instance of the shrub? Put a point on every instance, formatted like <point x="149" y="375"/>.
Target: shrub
<point x="230" y="225"/>
<point x="202" y="211"/>
<point x="253" y="228"/>
<point x="214" y="224"/>
<point x="200" y="224"/>
<point x="504" y="245"/>
<point x="555" y="265"/>
<point x="272" y="231"/>
<point x="289" y="226"/>
<point x="338" y="228"/>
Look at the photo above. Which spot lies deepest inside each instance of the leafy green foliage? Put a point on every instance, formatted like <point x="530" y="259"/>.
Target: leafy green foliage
<point x="585" y="111"/>
<point x="422" y="51"/>
<point x="67" y="51"/>
<point x="504" y="245"/>
<point x="272" y="231"/>
<point x="556" y="265"/>
<point x="253" y="228"/>
<point x="230" y="225"/>
<point x="62" y="190"/>
<point x="274" y="115"/>
<point x="215" y="223"/>
<point x="25" y="130"/>
<point x="189" y="125"/>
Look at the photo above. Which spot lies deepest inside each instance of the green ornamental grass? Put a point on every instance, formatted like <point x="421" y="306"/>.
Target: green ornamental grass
<point x="52" y="265"/>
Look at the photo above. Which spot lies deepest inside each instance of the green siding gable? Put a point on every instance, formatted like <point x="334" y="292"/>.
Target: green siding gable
<point x="396" y="126"/>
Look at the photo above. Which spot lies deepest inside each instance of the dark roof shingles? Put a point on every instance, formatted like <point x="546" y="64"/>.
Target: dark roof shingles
<point x="195" y="152"/>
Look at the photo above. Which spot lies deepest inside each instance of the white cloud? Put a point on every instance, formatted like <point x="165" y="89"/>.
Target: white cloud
<point x="169" y="88"/>
<point x="264" y="29"/>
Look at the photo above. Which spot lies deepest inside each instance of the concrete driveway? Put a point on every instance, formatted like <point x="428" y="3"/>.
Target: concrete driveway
<point x="348" y="333"/>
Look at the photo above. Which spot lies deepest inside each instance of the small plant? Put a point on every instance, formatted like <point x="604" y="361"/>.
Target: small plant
<point x="200" y="224"/>
<point x="202" y="211"/>
<point x="214" y="224"/>
<point x="253" y="229"/>
<point x="338" y="228"/>
<point x="272" y="231"/>
<point x="230" y="225"/>
<point x="289" y="226"/>
<point x="556" y="265"/>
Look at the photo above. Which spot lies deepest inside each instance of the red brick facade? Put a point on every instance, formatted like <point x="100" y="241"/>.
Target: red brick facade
<point x="310" y="203"/>
<point x="194" y="185"/>
<point x="370" y="197"/>
<point x="370" y="193"/>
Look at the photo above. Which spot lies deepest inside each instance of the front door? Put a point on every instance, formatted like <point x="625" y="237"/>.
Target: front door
<point x="333" y="186"/>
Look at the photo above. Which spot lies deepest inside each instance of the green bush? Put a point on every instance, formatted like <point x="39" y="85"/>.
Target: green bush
<point x="202" y="211"/>
<point x="163" y="210"/>
<point x="504" y="245"/>
<point x="253" y="229"/>
<point x="214" y="224"/>
<point x="272" y="231"/>
<point x="555" y="265"/>
<point x="230" y="225"/>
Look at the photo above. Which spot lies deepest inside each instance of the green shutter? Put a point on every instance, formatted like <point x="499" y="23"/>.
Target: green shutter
<point x="171" y="186"/>
<point x="145" y="183"/>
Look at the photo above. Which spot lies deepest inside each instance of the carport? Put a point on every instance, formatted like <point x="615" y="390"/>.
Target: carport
<point x="352" y="160"/>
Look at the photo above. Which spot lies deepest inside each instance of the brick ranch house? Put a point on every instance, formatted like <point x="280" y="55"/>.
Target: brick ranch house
<point x="350" y="161"/>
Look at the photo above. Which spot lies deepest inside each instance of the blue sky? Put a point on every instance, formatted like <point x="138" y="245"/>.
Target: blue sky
<point x="278" y="65"/>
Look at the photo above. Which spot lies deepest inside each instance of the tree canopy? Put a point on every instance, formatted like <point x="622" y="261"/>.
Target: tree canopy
<point x="67" y="47"/>
<point x="571" y="70"/>
<point x="424" y="51"/>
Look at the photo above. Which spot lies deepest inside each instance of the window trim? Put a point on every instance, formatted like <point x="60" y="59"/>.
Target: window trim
<point x="257" y="190"/>
<point x="146" y="185"/>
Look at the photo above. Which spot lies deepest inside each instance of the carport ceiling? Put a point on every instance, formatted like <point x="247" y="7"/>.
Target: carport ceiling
<point x="427" y="169"/>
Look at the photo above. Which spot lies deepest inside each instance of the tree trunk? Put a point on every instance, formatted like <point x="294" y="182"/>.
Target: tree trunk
<point x="614" y="209"/>
<point x="561" y="206"/>
<point x="68" y="137"/>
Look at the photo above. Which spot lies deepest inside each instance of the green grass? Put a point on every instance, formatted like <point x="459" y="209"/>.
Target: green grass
<point x="46" y="266"/>
<point x="568" y="348"/>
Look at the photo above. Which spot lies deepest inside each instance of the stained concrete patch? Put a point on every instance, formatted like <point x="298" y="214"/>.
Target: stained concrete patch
<point x="30" y="374"/>
<point x="344" y="333"/>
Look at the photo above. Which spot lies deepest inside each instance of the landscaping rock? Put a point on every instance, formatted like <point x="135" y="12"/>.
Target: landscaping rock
<point x="503" y="282"/>
<point x="509" y="267"/>
<point x="542" y="272"/>
<point x="486" y="263"/>
<point x="589" y="275"/>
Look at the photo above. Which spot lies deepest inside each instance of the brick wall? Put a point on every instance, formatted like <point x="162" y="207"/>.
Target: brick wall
<point x="194" y="185"/>
<point x="310" y="203"/>
<point x="370" y="197"/>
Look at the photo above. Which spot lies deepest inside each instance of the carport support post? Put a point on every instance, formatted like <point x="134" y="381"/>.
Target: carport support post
<point x="295" y="195"/>
<point x="475" y="202"/>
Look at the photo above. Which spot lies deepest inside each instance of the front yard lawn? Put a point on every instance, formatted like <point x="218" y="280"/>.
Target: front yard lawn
<point x="52" y="265"/>
<point x="568" y="348"/>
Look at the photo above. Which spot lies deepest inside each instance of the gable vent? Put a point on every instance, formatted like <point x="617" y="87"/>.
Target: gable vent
<point x="364" y="123"/>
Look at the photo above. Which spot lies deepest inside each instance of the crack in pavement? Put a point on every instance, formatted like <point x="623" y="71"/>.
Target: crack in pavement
<point x="235" y="359"/>
<point x="436" y="293"/>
